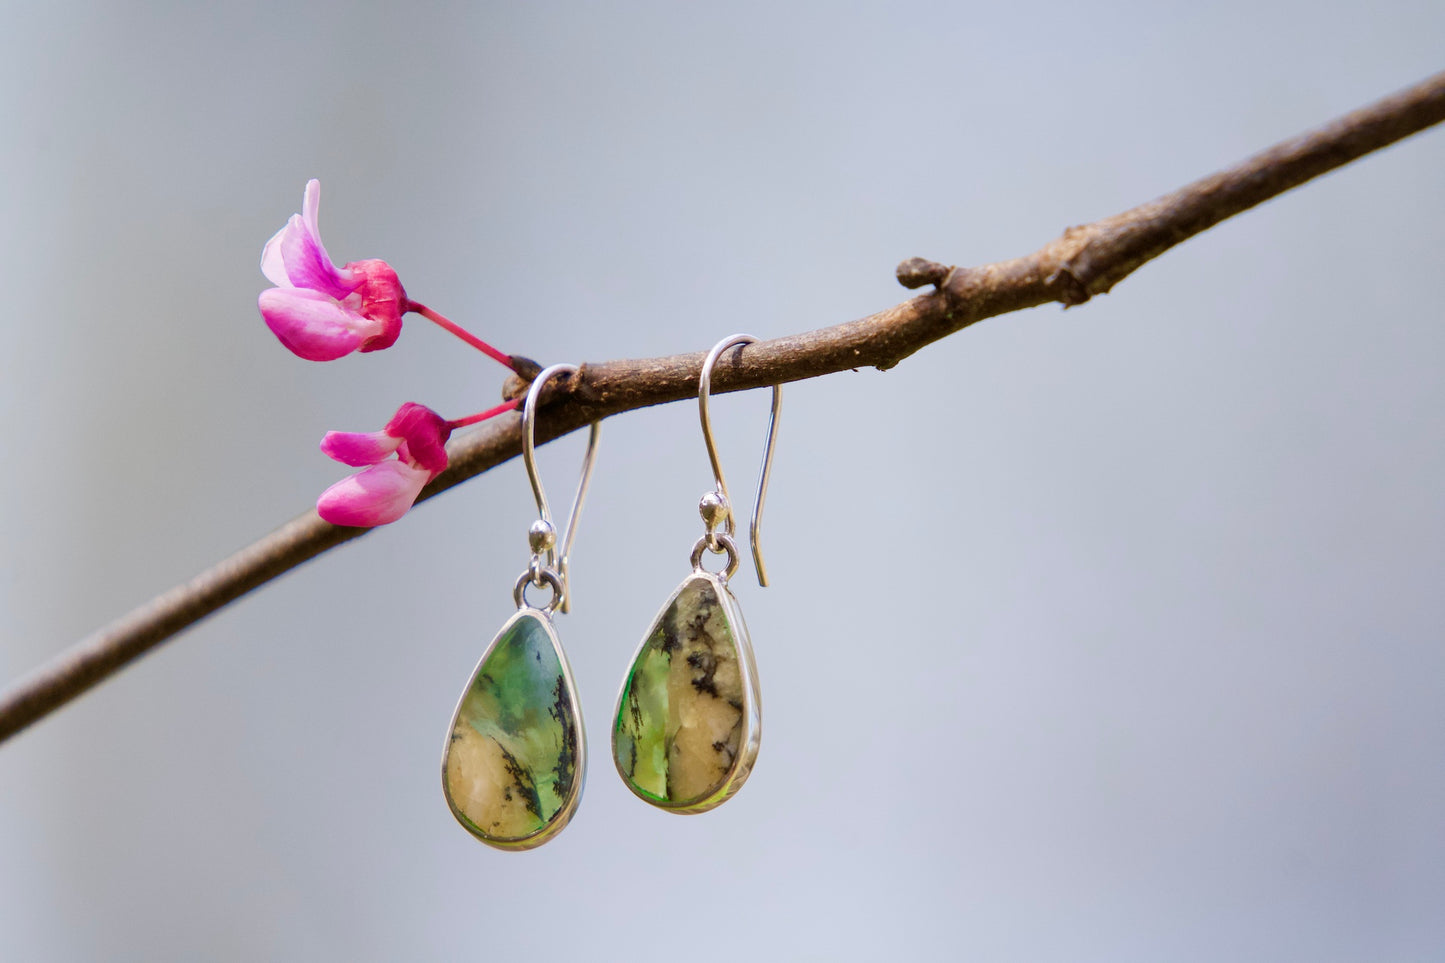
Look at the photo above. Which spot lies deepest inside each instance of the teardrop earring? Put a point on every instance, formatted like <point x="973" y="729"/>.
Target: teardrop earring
<point x="689" y="717"/>
<point x="515" y="757"/>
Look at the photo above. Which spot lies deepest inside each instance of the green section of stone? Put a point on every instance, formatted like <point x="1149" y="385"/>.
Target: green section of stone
<point x="511" y="762"/>
<point x="681" y="716"/>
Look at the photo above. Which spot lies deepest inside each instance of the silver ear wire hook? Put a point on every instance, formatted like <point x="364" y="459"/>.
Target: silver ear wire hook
<point x="543" y="535"/>
<point x="704" y="389"/>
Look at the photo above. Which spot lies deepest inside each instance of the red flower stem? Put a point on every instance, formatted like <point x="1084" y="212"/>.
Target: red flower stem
<point x="502" y="408"/>
<point x="460" y="332"/>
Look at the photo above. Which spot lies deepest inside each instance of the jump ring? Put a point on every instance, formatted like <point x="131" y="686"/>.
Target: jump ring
<point x="725" y="545"/>
<point x="549" y="578"/>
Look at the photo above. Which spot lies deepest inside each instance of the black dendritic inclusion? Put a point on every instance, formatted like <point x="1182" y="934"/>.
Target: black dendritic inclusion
<point x="566" y="756"/>
<point x="522" y="782"/>
<point x="703" y="659"/>
<point x="704" y="674"/>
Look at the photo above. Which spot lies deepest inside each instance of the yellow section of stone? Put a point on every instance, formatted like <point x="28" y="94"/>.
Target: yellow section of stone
<point x="479" y="785"/>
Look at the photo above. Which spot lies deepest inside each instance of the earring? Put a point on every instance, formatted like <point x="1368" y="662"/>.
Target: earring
<point x="688" y="719"/>
<point x="515" y="756"/>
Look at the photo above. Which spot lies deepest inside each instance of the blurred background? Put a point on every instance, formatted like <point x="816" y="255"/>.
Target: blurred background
<point x="1113" y="634"/>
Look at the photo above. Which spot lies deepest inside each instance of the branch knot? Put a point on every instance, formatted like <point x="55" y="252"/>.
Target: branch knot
<point x="918" y="271"/>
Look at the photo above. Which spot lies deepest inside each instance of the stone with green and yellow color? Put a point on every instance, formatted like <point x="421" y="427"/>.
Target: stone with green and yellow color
<point x="686" y="731"/>
<point x="512" y="766"/>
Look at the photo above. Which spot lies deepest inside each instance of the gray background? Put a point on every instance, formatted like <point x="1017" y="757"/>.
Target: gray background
<point x="1112" y="634"/>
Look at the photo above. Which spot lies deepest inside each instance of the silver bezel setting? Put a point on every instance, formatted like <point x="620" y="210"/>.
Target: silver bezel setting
<point x="569" y="807"/>
<point x="752" y="721"/>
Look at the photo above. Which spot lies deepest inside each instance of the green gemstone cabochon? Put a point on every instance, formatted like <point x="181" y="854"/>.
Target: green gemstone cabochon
<point x="685" y="733"/>
<point x="511" y="766"/>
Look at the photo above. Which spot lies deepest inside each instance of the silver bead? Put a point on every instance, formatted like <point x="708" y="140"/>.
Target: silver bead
<point x="714" y="510"/>
<point x="541" y="536"/>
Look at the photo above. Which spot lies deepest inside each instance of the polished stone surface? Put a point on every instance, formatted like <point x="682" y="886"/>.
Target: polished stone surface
<point x="511" y="765"/>
<point x="686" y="727"/>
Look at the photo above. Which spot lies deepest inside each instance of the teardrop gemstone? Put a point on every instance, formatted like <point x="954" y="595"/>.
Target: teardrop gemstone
<point x="513" y="765"/>
<point x="688" y="719"/>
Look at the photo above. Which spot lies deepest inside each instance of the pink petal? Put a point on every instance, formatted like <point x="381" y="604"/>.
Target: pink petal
<point x="312" y="325"/>
<point x="359" y="448"/>
<point x="377" y="496"/>
<point x="296" y="258"/>
<point x="311" y="217"/>
<point x="311" y="207"/>
<point x="271" y="263"/>
<point x="307" y="263"/>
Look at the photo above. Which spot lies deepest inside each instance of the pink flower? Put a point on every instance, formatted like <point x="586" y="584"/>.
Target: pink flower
<point x="318" y="310"/>
<point x="385" y="491"/>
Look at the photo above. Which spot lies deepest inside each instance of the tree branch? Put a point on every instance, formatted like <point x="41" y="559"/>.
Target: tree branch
<point x="1085" y="261"/>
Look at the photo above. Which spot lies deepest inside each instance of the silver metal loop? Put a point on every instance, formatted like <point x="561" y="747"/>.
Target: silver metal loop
<point x="724" y="544"/>
<point x="557" y="559"/>
<point x="704" y="389"/>
<point x="549" y="578"/>
<point x="535" y="568"/>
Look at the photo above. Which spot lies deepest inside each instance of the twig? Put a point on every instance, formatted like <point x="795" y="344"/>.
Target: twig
<point x="1083" y="262"/>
